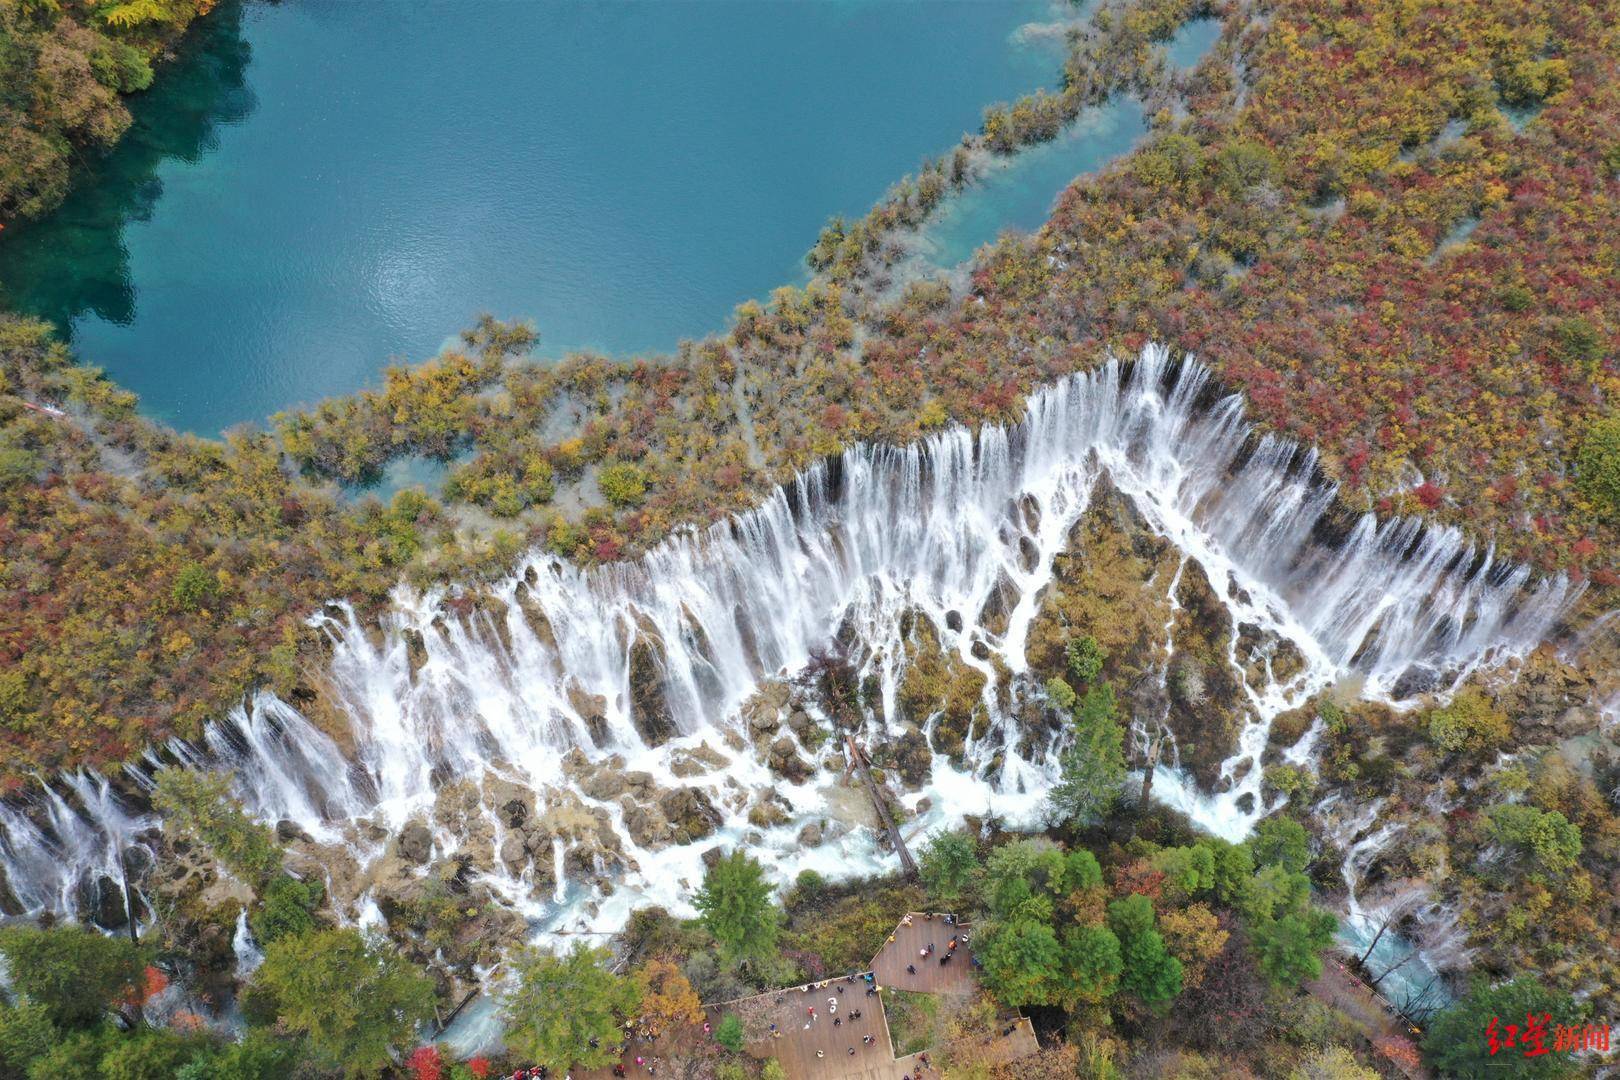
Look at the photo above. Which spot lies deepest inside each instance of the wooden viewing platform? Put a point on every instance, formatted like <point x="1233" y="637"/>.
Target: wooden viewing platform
<point x="800" y="1038"/>
<point x="819" y="1049"/>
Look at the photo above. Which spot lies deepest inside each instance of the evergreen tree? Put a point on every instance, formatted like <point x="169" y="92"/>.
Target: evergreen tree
<point x="355" y="999"/>
<point x="1092" y="956"/>
<point x="948" y="866"/>
<point x="1457" y="1042"/>
<point x="1281" y="841"/>
<point x="74" y="974"/>
<point x="200" y="805"/>
<point x="1289" y="949"/>
<point x="26" y="1034"/>
<point x="1093" y="767"/>
<point x="567" y="1011"/>
<point x="1023" y="963"/>
<point x="738" y="907"/>
<point x="1147" y="968"/>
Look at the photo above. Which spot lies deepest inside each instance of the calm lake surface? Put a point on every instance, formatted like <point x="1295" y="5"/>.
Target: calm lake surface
<point x="317" y="187"/>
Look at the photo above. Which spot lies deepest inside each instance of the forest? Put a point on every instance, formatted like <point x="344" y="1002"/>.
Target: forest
<point x="65" y="67"/>
<point x="1295" y="240"/>
<point x="1390" y="225"/>
<point x="1141" y="949"/>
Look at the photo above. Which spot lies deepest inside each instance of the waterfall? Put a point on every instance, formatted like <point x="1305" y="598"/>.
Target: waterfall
<point x="1408" y="975"/>
<point x="248" y="954"/>
<point x="556" y="657"/>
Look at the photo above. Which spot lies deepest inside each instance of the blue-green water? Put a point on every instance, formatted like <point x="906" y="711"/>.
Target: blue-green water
<point x="317" y="187"/>
<point x="1192" y="41"/>
<point x="1017" y="193"/>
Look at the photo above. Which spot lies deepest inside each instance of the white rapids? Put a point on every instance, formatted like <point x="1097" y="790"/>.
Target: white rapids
<point x="450" y="689"/>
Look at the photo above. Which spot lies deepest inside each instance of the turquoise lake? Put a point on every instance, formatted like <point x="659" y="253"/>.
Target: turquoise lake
<point x="316" y="188"/>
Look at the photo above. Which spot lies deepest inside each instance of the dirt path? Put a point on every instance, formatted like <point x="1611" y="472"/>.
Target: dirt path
<point x="1342" y="990"/>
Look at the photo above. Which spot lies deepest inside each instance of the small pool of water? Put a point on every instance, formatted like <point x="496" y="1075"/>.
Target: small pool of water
<point x="1018" y="193"/>
<point x="1192" y="41"/>
<point x="317" y="187"/>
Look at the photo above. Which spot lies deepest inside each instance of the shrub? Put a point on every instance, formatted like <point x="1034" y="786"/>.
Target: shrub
<point x="1469" y="723"/>
<point x="1547" y="837"/>
<point x="1061" y="694"/>
<point x="1085" y="658"/>
<point x="622" y="483"/>
<point x="730" y="1033"/>
<point x="287" y="908"/>
<point x="1597" y="467"/>
<point x="192" y="586"/>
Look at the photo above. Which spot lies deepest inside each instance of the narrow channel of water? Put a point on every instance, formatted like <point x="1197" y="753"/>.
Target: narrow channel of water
<point x="1017" y="193"/>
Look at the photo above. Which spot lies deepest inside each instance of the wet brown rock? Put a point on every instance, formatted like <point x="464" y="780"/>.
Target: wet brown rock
<point x="695" y="761"/>
<point x="415" y="843"/>
<point x="512" y="802"/>
<point x="1112" y="582"/>
<point x="690" y="814"/>
<point x="645" y="824"/>
<point x="938" y="682"/>
<point x="649" y="710"/>
<point x="784" y="761"/>
<point x="763" y="712"/>
<point x="592" y="709"/>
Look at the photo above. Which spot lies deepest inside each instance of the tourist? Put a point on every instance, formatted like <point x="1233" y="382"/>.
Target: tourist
<point x="911" y="969"/>
<point x="852" y="1051"/>
<point x="821" y="1053"/>
<point x="838" y="1021"/>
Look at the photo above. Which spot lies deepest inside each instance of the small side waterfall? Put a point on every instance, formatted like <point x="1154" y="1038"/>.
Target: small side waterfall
<point x="653" y="656"/>
<point x="246" y="950"/>
<point x="1409" y="976"/>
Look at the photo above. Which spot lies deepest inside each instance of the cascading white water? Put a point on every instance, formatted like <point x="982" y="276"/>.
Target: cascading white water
<point x="246" y="950"/>
<point x="1409" y="976"/>
<point x="849" y="547"/>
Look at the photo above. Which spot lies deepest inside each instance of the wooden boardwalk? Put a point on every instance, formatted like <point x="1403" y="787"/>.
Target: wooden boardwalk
<point x="910" y="959"/>
<point x="818" y="1046"/>
<point x="831" y="1043"/>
